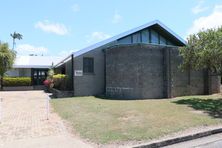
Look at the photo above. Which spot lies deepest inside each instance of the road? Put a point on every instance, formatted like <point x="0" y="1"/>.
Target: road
<point x="213" y="141"/>
<point x="215" y="144"/>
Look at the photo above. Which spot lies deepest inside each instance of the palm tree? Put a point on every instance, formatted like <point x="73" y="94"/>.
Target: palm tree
<point x="15" y="36"/>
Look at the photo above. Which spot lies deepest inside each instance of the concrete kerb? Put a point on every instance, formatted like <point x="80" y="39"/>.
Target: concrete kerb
<point x="179" y="139"/>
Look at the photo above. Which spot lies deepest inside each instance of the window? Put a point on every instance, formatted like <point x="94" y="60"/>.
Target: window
<point x="145" y="36"/>
<point x="126" y="40"/>
<point x="154" y="37"/>
<point x="136" y="38"/>
<point x="88" y="65"/>
<point x="162" y="40"/>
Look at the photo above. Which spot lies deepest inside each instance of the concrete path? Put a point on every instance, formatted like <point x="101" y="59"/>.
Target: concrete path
<point x="213" y="141"/>
<point x="24" y="123"/>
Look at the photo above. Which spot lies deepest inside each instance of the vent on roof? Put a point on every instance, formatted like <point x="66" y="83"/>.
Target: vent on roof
<point x="33" y="55"/>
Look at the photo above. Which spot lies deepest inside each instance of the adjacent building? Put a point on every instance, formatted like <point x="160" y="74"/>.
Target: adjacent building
<point x="32" y="66"/>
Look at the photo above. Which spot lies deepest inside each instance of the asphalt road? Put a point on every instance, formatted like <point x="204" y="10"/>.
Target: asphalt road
<point x="213" y="141"/>
<point x="215" y="144"/>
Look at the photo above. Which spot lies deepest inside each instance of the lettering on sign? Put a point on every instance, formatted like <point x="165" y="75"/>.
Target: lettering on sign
<point x="78" y="72"/>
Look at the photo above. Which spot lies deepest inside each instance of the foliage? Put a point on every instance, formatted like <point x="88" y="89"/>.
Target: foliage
<point x="211" y="106"/>
<point x="57" y="81"/>
<point x="15" y="36"/>
<point x="16" y="81"/>
<point x="48" y="83"/>
<point x="50" y="73"/>
<point x="60" y="81"/>
<point x="59" y="76"/>
<point x="7" y="58"/>
<point x="203" y="51"/>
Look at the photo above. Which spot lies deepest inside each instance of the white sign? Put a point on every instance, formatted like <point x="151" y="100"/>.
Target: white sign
<point x="78" y="72"/>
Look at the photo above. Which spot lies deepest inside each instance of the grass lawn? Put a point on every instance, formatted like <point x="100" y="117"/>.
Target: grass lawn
<point x="107" y="121"/>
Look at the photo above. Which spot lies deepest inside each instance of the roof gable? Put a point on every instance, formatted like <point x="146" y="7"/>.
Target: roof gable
<point x="109" y="40"/>
<point x="164" y="28"/>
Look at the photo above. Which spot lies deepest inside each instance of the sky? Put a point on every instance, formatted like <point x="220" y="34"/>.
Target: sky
<point x="59" y="27"/>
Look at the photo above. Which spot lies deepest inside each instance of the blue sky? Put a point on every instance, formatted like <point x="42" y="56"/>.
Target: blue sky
<point x="57" y="27"/>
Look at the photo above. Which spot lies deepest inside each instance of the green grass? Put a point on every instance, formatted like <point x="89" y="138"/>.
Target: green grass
<point x="107" y="121"/>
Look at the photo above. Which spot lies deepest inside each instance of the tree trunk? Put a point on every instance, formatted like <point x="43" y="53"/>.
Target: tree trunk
<point x="207" y="82"/>
<point x="13" y="46"/>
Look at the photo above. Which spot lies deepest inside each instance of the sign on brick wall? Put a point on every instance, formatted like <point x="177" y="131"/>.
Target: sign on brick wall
<point x="78" y="72"/>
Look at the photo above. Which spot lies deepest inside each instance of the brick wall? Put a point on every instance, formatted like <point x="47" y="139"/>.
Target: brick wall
<point x="134" y="72"/>
<point x="151" y="71"/>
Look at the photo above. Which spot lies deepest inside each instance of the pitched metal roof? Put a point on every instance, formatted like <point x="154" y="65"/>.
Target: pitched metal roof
<point x="104" y="42"/>
<point x="35" y="61"/>
<point x="124" y="34"/>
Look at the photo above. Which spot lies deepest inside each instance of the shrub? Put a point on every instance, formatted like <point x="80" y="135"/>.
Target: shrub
<point x="59" y="76"/>
<point x="50" y="73"/>
<point x="16" y="81"/>
<point x="60" y="81"/>
<point x="48" y="83"/>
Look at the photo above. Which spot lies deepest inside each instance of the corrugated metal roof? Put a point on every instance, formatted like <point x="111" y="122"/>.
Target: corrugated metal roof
<point x="114" y="38"/>
<point x="35" y="61"/>
<point x="109" y="40"/>
<point x="99" y="44"/>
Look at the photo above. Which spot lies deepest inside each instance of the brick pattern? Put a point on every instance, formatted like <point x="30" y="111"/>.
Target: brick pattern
<point x="152" y="71"/>
<point x="24" y="116"/>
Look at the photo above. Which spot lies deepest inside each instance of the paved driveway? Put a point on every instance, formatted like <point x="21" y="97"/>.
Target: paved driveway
<point x="24" y="123"/>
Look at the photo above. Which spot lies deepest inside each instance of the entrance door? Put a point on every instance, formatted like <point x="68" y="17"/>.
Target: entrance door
<point x="38" y="76"/>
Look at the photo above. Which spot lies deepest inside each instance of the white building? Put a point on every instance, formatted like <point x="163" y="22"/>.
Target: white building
<point x="35" y="67"/>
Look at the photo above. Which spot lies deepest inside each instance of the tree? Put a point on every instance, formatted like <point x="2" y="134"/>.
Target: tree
<point x="15" y="36"/>
<point x="7" y="58"/>
<point x="203" y="51"/>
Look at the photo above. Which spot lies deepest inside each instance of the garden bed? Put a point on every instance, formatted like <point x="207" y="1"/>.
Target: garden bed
<point x="60" y="93"/>
<point x="17" y="88"/>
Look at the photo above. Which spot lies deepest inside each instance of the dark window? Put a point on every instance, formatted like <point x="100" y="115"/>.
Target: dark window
<point x="88" y="65"/>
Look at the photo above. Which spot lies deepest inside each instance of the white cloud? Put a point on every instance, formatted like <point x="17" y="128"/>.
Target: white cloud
<point x="26" y="49"/>
<point x="117" y="18"/>
<point x="57" y="28"/>
<point x="97" y="36"/>
<point x="75" y="8"/>
<point x="199" y="7"/>
<point x="211" y="21"/>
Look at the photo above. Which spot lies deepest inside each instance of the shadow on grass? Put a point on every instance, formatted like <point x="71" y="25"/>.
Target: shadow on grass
<point x="211" y="106"/>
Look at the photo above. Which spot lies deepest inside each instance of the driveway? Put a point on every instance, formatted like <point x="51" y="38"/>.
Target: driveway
<point x="24" y="123"/>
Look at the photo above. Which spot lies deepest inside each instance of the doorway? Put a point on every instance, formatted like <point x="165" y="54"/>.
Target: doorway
<point x="38" y="76"/>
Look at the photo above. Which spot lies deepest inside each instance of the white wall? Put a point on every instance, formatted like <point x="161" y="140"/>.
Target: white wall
<point x="13" y="73"/>
<point x="19" y="72"/>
